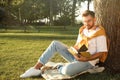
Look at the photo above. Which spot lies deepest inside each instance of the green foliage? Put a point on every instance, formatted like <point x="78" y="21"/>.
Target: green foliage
<point x="63" y="20"/>
<point x="16" y="2"/>
<point x="36" y="9"/>
<point x="33" y="11"/>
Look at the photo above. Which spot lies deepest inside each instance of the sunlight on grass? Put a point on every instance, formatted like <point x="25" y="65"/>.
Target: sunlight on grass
<point x="20" y="51"/>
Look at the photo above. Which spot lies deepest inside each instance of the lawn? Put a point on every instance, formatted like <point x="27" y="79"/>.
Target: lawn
<point x="20" y="51"/>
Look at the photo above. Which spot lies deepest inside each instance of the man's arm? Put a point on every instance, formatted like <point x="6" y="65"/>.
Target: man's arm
<point x="101" y="48"/>
<point x="93" y="57"/>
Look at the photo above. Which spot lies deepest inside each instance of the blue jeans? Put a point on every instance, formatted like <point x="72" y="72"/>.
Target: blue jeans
<point x="73" y="67"/>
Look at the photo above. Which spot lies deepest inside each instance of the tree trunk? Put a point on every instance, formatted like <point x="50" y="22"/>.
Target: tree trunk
<point x="108" y="15"/>
<point x="88" y="4"/>
<point x="51" y="12"/>
<point x="19" y="14"/>
<point x="73" y="12"/>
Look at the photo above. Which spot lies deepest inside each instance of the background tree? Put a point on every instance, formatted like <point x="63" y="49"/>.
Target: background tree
<point x="53" y="12"/>
<point x="2" y="14"/>
<point x="64" y="12"/>
<point x="73" y="12"/>
<point x="88" y="4"/>
<point x="108" y="14"/>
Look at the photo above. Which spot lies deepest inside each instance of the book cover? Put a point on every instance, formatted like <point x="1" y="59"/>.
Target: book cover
<point x="81" y="51"/>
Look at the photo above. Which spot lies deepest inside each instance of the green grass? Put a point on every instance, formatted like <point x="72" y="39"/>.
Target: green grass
<point x="20" y="51"/>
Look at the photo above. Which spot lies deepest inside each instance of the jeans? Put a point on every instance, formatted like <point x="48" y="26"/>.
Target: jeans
<point x="73" y="67"/>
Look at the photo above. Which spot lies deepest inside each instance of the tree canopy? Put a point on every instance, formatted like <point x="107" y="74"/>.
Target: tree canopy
<point x="51" y="11"/>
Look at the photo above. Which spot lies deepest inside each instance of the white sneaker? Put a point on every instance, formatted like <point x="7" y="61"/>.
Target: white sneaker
<point x="31" y="72"/>
<point x="96" y="69"/>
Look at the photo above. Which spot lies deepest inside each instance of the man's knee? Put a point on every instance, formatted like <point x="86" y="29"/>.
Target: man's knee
<point x="67" y="70"/>
<point x="55" y="42"/>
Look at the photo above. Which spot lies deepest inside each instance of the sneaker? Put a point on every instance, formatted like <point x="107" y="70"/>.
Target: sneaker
<point x="96" y="69"/>
<point x="31" y="72"/>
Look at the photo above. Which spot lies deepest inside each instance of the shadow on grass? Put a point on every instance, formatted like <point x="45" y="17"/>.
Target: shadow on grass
<point x="37" y="77"/>
<point x="105" y="75"/>
<point x="87" y="76"/>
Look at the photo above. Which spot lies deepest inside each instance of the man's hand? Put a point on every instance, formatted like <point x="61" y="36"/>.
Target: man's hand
<point x="76" y="56"/>
<point x="84" y="59"/>
<point x="80" y="58"/>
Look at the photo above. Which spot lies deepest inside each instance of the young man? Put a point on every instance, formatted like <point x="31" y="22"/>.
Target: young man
<point x="91" y="35"/>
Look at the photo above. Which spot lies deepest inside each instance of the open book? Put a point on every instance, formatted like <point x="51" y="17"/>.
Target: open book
<point x="81" y="51"/>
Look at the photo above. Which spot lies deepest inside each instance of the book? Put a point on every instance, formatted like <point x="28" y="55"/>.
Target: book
<point x="72" y="50"/>
<point x="85" y="54"/>
<point x="81" y="51"/>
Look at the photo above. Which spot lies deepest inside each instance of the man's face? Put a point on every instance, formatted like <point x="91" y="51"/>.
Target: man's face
<point x="88" y="21"/>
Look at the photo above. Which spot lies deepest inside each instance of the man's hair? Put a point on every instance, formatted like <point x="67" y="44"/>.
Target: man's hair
<point x="88" y="12"/>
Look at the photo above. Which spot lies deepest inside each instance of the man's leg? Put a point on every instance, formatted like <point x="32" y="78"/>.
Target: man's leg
<point x="54" y="47"/>
<point x="75" y="67"/>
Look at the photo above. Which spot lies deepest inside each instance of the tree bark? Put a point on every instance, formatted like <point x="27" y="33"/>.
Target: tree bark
<point x="19" y="14"/>
<point x="51" y="12"/>
<point x="108" y="15"/>
<point x="88" y="4"/>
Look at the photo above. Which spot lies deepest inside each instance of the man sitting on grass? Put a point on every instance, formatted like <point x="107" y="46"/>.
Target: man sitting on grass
<point x="91" y="35"/>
